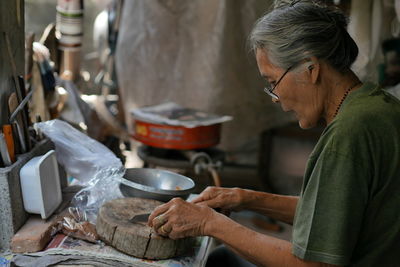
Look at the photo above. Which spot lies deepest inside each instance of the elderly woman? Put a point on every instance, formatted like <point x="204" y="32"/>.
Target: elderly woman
<point x="348" y="212"/>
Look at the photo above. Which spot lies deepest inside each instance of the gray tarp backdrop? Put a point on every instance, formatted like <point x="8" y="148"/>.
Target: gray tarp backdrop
<point x="195" y="53"/>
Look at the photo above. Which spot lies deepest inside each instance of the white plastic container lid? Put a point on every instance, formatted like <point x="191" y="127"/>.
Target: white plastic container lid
<point x="40" y="185"/>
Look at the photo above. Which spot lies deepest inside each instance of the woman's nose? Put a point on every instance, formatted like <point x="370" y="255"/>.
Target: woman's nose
<point x="275" y="100"/>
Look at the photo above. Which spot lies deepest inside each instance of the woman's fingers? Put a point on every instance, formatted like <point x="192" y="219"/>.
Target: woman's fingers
<point x="207" y="194"/>
<point x="219" y="197"/>
<point x="157" y="212"/>
<point x="160" y="215"/>
<point x="197" y="199"/>
<point x="181" y="219"/>
<point x="159" y="221"/>
<point x="164" y="230"/>
<point x="213" y="203"/>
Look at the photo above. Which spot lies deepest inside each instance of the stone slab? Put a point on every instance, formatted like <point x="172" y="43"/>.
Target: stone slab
<point x="33" y="235"/>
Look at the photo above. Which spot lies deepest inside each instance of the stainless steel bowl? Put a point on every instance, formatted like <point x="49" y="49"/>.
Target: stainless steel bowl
<point x="155" y="184"/>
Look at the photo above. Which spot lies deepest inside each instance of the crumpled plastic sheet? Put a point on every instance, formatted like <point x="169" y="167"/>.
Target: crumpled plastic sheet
<point x="52" y="260"/>
<point x="87" y="160"/>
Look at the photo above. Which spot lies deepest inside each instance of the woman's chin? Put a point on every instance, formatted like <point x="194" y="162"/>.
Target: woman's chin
<point x="305" y="124"/>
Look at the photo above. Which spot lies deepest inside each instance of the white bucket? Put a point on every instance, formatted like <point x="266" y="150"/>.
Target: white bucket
<point x="40" y="185"/>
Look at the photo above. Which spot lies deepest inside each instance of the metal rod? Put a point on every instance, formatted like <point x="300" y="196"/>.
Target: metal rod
<point x="21" y="105"/>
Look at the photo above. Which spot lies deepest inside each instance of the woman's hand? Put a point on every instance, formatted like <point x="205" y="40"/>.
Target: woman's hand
<point x="226" y="199"/>
<point x="178" y="219"/>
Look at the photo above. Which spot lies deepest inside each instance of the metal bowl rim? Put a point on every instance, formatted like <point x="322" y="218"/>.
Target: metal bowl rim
<point x="151" y="189"/>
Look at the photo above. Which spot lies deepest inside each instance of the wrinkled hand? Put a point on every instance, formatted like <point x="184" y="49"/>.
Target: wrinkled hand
<point x="178" y="219"/>
<point x="226" y="199"/>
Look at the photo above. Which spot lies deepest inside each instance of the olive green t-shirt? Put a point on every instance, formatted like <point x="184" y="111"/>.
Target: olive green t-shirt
<point x="349" y="208"/>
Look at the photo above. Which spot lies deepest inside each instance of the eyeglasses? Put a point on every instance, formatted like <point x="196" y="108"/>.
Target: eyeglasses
<point x="269" y="90"/>
<point x="294" y="2"/>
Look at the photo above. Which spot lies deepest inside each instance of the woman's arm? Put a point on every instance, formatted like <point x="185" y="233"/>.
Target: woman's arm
<point x="278" y="207"/>
<point x="258" y="248"/>
<point x="178" y="219"/>
<point x="275" y="206"/>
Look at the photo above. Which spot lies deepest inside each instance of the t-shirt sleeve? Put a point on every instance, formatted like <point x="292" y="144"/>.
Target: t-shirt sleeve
<point x="330" y="210"/>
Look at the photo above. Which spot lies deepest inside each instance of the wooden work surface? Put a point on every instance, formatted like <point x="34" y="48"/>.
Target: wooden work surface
<point x="137" y="239"/>
<point x="66" y="247"/>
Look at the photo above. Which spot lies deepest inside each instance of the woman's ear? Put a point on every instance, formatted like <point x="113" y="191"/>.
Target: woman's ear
<point x="313" y="69"/>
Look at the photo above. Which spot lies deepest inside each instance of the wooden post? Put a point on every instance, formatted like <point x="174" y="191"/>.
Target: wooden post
<point x="11" y="23"/>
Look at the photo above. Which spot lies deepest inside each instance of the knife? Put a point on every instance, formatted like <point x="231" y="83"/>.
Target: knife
<point x="140" y="218"/>
<point x="9" y="138"/>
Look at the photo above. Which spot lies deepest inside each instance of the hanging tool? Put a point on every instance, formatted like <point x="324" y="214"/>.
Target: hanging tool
<point x="21" y="106"/>
<point x="13" y="67"/>
<point x="29" y="39"/>
<point x="20" y="125"/>
<point x="19" y="93"/>
<point x="12" y="105"/>
<point x="24" y="95"/>
<point x="2" y="165"/>
<point x="18" y="7"/>
<point x="17" y="124"/>
<point x="20" y="135"/>
<point x="8" y="136"/>
<point x="42" y="56"/>
<point x="4" y="151"/>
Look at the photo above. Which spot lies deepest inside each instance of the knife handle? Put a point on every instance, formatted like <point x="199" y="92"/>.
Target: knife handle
<point x="8" y="136"/>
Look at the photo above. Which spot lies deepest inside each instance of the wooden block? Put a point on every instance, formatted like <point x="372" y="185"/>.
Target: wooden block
<point x="33" y="236"/>
<point x="137" y="239"/>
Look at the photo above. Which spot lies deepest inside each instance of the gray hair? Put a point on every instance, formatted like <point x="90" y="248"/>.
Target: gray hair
<point x="294" y="32"/>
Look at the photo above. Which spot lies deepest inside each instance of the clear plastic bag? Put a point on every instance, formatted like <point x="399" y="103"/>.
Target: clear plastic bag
<point x="76" y="224"/>
<point x="82" y="157"/>
<point x="87" y="160"/>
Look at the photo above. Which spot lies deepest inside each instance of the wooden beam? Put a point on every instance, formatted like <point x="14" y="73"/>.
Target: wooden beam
<point x="12" y="23"/>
